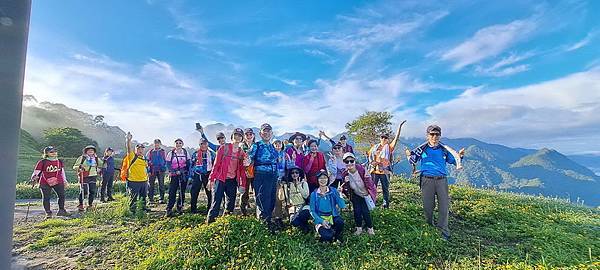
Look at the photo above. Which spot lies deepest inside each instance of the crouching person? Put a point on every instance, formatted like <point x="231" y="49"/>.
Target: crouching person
<point x="362" y="193"/>
<point x="135" y="173"/>
<point x="297" y="192"/>
<point x="324" y="203"/>
<point x="228" y="173"/>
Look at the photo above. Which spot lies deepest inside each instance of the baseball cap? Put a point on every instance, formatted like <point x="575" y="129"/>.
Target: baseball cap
<point x="434" y="128"/>
<point x="347" y="155"/>
<point x="265" y="126"/>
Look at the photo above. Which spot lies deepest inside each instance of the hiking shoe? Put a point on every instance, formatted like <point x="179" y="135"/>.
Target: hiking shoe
<point x="110" y="199"/>
<point x="445" y="236"/>
<point x="371" y="231"/>
<point x="81" y="208"/>
<point x="244" y="211"/>
<point x="62" y="213"/>
<point x="169" y="213"/>
<point x="359" y="231"/>
<point x="89" y="208"/>
<point x="48" y="215"/>
<point x="102" y="200"/>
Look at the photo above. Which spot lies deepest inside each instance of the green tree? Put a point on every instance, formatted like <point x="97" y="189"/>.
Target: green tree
<point x="69" y="141"/>
<point x="367" y="128"/>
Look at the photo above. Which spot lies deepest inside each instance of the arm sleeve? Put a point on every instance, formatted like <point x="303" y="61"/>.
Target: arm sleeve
<point x="77" y="163"/>
<point x="304" y="190"/>
<point x="212" y="146"/>
<point x="414" y="157"/>
<point x="64" y="175"/>
<point x="37" y="169"/>
<point x="313" y="209"/>
<point x="252" y="153"/>
<point x="450" y="158"/>
<point x="338" y="198"/>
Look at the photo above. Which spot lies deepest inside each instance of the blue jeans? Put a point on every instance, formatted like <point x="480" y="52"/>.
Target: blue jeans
<point x="265" y="189"/>
<point x="220" y="190"/>
<point x="301" y="220"/>
<point x="385" y="186"/>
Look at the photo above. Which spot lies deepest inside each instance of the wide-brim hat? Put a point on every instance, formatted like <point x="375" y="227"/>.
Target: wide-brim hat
<point x="297" y="134"/>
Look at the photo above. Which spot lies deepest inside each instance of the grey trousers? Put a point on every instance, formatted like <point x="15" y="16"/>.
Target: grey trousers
<point x="430" y="189"/>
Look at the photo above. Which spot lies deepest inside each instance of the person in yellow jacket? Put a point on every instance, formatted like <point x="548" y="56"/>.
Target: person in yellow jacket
<point x="134" y="171"/>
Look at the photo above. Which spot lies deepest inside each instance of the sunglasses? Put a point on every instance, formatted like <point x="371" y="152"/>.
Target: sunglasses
<point x="434" y="134"/>
<point x="295" y="173"/>
<point x="349" y="161"/>
<point x="221" y="138"/>
<point x="337" y="148"/>
<point x="178" y="143"/>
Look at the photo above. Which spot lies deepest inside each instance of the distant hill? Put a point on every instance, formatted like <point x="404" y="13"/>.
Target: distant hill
<point x="39" y="116"/>
<point x="530" y="171"/>
<point x="591" y="161"/>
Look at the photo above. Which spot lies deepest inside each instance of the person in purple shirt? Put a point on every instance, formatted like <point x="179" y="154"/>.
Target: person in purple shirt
<point x="296" y="151"/>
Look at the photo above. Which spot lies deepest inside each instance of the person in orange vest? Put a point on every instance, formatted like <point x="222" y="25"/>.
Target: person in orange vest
<point x="380" y="157"/>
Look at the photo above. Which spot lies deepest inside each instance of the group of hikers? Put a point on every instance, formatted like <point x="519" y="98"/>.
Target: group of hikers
<point x="291" y="180"/>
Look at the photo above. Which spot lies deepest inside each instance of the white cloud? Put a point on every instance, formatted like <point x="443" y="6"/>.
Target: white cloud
<point x="149" y="100"/>
<point x="489" y="42"/>
<point x="551" y="112"/>
<point x="582" y="43"/>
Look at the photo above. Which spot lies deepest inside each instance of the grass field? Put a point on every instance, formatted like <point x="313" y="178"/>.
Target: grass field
<point x="490" y="230"/>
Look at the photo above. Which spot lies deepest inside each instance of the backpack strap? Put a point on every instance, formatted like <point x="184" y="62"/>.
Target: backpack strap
<point x="135" y="157"/>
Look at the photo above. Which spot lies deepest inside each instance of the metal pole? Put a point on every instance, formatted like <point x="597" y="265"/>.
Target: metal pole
<point x="14" y="29"/>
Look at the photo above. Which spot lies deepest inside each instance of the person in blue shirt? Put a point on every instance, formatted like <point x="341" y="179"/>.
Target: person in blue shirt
<point x="157" y="167"/>
<point x="108" y="176"/>
<point x="212" y="146"/>
<point x="263" y="157"/>
<point x="433" y="179"/>
<point x="324" y="204"/>
<point x="201" y="165"/>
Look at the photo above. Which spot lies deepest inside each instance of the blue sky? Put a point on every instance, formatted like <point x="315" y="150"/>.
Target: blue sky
<point x="521" y="73"/>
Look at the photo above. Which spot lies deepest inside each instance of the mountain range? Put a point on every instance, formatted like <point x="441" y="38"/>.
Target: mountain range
<point x="532" y="171"/>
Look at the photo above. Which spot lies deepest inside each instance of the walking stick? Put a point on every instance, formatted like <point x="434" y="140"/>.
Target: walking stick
<point x="285" y="197"/>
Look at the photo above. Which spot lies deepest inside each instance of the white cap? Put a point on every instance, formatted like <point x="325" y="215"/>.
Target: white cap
<point x="347" y="155"/>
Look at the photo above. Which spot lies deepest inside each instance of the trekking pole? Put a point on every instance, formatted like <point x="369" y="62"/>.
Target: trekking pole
<point x="285" y="197"/>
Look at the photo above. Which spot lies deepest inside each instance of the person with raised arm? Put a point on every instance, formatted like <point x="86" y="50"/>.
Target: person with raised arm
<point x="201" y="166"/>
<point x="433" y="178"/>
<point x="380" y="158"/>
<point x="220" y="138"/>
<point x="134" y="172"/>
<point x="346" y="148"/>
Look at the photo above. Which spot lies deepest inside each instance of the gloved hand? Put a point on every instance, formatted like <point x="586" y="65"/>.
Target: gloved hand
<point x="241" y="190"/>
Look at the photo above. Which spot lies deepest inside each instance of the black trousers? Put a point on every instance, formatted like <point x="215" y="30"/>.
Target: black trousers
<point x="47" y="193"/>
<point x="199" y="182"/>
<point x="88" y="188"/>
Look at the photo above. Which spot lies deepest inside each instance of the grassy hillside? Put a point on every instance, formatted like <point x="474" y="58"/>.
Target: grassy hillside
<point x="490" y="230"/>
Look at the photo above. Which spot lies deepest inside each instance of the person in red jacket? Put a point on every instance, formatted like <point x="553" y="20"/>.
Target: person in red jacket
<point x="49" y="173"/>
<point x="312" y="164"/>
<point x="228" y="173"/>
